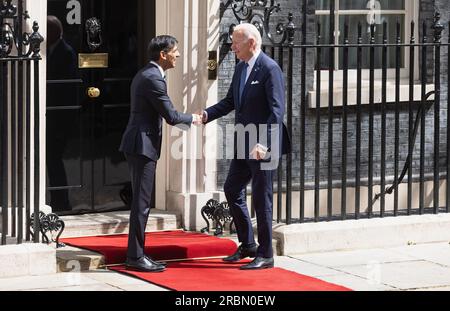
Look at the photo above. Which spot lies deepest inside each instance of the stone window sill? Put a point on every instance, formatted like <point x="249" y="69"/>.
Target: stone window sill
<point x="352" y="92"/>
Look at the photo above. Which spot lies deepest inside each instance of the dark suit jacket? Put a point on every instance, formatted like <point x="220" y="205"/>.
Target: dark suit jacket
<point x="262" y="103"/>
<point x="149" y="105"/>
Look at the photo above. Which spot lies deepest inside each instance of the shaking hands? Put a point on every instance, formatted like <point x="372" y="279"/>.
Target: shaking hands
<point x="199" y="118"/>
<point x="259" y="152"/>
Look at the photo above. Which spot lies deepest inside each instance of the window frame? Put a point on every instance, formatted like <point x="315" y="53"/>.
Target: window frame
<point x="411" y="13"/>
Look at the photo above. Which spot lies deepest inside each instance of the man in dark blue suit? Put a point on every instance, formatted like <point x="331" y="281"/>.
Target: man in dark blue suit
<point x="257" y="95"/>
<point x="141" y="141"/>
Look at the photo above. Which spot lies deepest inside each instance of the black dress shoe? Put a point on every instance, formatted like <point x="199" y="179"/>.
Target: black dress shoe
<point x="241" y="253"/>
<point x="258" y="263"/>
<point x="156" y="262"/>
<point x="144" y="264"/>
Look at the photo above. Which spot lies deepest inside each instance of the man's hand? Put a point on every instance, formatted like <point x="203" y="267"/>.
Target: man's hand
<point x="259" y="152"/>
<point x="204" y="115"/>
<point x="197" y="119"/>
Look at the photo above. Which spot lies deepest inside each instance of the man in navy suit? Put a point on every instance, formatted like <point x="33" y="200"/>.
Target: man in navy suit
<point x="257" y="95"/>
<point x="141" y="141"/>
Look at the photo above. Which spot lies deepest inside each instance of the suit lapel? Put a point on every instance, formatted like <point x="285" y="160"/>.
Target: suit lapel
<point x="251" y="78"/>
<point x="236" y="86"/>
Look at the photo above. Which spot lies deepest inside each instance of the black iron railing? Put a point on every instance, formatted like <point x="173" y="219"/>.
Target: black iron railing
<point x="371" y="152"/>
<point x="20" y="119"/>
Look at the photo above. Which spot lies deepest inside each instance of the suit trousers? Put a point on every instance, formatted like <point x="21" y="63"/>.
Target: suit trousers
<point x="142" y="170"/>
<point x="239" y="175"/>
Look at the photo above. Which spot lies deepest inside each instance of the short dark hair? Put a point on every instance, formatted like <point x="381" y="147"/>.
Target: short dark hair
<point x="160" y="43"/>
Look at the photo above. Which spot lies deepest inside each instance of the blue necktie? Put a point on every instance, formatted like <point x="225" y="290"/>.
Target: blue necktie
<point x="242" y="81"/>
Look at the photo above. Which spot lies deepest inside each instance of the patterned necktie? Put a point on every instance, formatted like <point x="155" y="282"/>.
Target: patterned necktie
<point x="242" y="81"/>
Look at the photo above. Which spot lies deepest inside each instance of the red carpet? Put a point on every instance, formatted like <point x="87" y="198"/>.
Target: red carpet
<point x="215" y="275"/>
<point x="199" y="275"/>
<point x="159" y="245"/>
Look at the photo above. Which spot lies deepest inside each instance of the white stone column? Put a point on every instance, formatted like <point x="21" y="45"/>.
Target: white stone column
<point x="37" y="9"/>
<point x="189" y="181"/>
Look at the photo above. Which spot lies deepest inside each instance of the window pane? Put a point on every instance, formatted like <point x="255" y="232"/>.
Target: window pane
<point x="322" y="4"/>
<point x="353" y="21"/>
<point x="375" y="4"/>
<point x="324" y="21"/>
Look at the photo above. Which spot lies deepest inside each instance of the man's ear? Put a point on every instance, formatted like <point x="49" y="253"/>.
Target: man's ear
<point x="162" y="55"/>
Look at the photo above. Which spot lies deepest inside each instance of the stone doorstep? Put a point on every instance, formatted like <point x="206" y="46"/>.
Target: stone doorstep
<point x="115" y="223"/>
<point x="72" y="259"/>
<point x="27" y="259"/>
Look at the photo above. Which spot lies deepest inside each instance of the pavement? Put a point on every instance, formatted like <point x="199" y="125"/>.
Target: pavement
<point x="421" y="267"/>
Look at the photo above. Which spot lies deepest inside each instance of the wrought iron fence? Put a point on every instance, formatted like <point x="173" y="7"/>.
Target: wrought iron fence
<point x="19" y="115"/>
<point x="369" y="139"/>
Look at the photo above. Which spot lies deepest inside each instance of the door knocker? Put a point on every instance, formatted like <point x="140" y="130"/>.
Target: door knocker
<point x="94" y="33"/>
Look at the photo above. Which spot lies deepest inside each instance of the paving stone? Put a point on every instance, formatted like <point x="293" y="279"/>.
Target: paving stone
<point x="303" y="267"/>
<point x="353" y="258"/>
<point x="404" y="275"/>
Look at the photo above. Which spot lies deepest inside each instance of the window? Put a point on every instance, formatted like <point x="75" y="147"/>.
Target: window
<point x="366" y="12"/>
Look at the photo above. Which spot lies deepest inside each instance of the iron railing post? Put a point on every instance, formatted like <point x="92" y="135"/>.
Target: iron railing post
<point x="438" y="28"/>
<point x="331" y="65"/>
<point x="290" y="35"/>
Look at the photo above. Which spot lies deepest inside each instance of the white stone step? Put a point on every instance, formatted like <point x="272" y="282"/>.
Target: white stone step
<point x="27" y="260"/>
<point x="72" y="259"/>
<point x="115" y="223"/>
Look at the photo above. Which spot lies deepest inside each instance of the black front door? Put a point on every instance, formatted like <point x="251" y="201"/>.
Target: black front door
<point x="88" y="108"/>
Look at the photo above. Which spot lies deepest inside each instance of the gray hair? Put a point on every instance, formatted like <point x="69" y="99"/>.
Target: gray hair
<point x="250" y="32"/>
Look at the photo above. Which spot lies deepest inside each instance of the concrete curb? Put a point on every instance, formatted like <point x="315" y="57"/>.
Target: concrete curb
<point x="359" y="234"/>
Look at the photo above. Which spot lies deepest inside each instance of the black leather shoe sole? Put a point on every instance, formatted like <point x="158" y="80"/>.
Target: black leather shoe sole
<point x="158" y="262"/>
<point x="232" y="259"/>
<point x="158" y="268"/>
<point x="247" y="267"/>
<point x="258" y="265"/>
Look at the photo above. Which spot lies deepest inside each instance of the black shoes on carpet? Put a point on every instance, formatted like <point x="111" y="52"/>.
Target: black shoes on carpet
<point x="244" y="252"/>
<point x="145" y="264"/>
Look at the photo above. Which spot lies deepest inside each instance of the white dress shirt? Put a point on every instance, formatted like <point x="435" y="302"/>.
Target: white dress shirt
<point x="163" y="74"/>
<point x="251" y="64"/>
